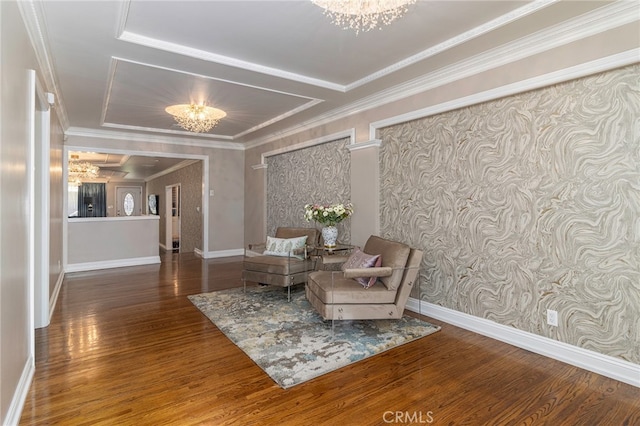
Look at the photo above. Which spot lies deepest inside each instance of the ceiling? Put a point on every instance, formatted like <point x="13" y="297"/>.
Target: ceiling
<point x="270" y="65"/>
<point x="123" y="167"/>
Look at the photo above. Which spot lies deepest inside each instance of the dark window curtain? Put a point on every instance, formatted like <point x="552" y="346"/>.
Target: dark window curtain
<point x="92" y="200"/>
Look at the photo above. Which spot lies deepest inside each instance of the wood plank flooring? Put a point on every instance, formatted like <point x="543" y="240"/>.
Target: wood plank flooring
<point x="126" y="347"/>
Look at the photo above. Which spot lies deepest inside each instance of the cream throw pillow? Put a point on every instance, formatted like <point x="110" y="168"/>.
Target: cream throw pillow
<point x="285" y="246"/>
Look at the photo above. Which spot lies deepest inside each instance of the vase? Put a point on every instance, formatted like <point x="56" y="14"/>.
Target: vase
<point x="330" y="236"/>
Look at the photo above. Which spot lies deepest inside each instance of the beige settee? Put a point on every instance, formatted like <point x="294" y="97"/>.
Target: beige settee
<point x="337" y="295"/>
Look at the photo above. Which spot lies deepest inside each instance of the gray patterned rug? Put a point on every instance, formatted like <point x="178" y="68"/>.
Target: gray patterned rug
<point x="290" y="341"/>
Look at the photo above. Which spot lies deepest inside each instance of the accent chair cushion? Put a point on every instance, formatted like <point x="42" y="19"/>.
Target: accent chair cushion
<point x="285" y="247"/>
<point x="393" y="254"/>
<point x="362" y="260"/>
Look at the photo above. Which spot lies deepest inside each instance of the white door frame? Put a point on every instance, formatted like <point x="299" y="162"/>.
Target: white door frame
<point x="168" y="195"/>
<point x="39" y="211"/>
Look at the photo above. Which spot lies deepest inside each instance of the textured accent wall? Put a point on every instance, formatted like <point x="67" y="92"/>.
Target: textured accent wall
<point x="525" y="204"/>
<point x="190" y="180"/>
<point x="318" y="174"/>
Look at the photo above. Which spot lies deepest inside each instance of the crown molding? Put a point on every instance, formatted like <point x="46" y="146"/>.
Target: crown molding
<point x="600" y="20"/>
<point x="501" y="21"/>
<point x="572" y="73"/>
<point x="31" y="12"/>
<point x="374" y="143"/>
<point x="179" y="49"/>
<point x="142" y="40"/>
<point x="113" y="66"/>
<point x="180" y="165"/>
<point x="349" y="133"/>
<point x="135" y="137"/>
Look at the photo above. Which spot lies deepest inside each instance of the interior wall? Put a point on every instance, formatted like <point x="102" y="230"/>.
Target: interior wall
<point x="317" y="174"/>
<point x="525" y="204"/>
<point x="16" y="58"/>
<point x="226" y="179"/>
<point x="191" y="219"/>
<point x="56" y="198"/>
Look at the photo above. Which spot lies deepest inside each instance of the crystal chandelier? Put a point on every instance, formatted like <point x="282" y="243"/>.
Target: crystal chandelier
<point x="196" y="118"/>
<point x="81" y="170"/>
<point x="363" y="15"/>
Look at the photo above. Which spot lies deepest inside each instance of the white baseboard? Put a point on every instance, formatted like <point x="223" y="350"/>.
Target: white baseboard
<point x="107" y="264"/>
<point x="605" y="365"/>
<point x="20" y="395"/>
<point x="53" y="298"/>
<point x="163" y="247"/>
<point x="223" y="253"/>
<point x="198" y="252"/>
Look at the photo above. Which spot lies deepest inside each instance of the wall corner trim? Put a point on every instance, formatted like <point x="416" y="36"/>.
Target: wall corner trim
<point x="374" y="143"/>
<point x="223" y="253"/>
<point x="259" y="166"/>
<point x="615" y="368"/>
<point x="20" y="396"/>
<point x="108" y="264"/>
<point x="53" y="301"/>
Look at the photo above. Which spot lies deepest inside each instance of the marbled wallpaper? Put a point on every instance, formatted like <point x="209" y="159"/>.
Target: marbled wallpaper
<point x="318" y="174"/>
<point x="528" y="203"/>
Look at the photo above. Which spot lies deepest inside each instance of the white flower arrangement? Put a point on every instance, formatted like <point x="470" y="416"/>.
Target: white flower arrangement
<point x="327" y="215"/>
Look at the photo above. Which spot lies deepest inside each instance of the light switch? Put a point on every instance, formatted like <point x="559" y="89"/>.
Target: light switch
<point x="211" y="193"/>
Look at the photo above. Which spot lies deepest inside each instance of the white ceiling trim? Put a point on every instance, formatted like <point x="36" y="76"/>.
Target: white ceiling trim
<point x="600" y="65"/>
<point x="226" y="60"/>
<point x="167" y="131"/>
<point x="349" y="133"/>
<point x="279" y="117"/>
<point x="180" y="165"/>
<point x="31" y="12"/>
<point x="455" y="41"/>
<point x="133" y="137"/>
<point x="592" y="23"/>
<point x="112" y="70"/>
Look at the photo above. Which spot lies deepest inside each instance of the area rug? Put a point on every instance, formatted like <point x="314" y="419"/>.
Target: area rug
<point x="290" y="341"/>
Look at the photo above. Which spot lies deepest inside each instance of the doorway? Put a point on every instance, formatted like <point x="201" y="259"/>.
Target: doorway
<point x="172" y="215"/>
<point x="128" y="201"/>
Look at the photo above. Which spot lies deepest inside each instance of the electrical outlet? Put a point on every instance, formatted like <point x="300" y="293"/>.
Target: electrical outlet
<point x="552" y="317"/>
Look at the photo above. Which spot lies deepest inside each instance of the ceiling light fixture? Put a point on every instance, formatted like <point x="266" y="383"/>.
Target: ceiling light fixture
<point x="363" y="15"/>
<point x="79" y="170"/>
<point x="196" y="118"/>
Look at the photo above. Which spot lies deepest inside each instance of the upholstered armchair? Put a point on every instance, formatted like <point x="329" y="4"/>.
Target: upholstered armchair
<point x="378" y="289"/>
<point x="283" y="260"/>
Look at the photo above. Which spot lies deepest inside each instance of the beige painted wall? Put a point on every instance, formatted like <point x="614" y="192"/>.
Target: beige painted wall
<point x="56" y="207"/>
<point x="16" y="57"/>
<point x="96" y="240"/>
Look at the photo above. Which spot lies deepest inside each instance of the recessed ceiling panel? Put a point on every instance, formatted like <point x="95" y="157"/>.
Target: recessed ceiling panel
<point x="139" y="94"/>
<point x="296" y="37"/>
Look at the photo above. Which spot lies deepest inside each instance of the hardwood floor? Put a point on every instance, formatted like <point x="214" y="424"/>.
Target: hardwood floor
<point x="125" y="346"/>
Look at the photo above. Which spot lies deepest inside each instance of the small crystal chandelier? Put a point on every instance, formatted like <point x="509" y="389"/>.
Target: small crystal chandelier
<point x="363" y="15"/>
<point x="196" y="118"/>
<point x="80" y="170"/>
